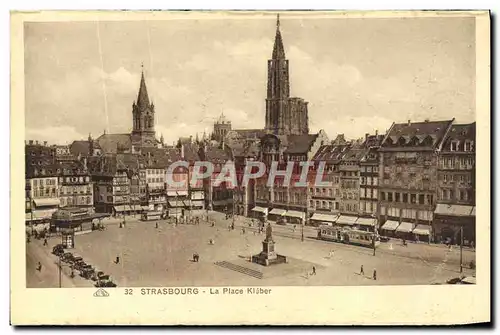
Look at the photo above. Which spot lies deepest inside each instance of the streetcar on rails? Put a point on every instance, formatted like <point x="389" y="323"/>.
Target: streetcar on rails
<point x="348" y="236"/>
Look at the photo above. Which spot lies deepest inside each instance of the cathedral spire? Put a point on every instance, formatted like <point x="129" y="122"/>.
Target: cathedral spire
<point x="278" y="49"/>
<point x="143" y="98"/>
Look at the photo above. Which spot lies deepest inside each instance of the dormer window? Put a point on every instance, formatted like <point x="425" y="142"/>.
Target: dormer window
<point x="454" y="146"/>
<point x="469" y="146"/>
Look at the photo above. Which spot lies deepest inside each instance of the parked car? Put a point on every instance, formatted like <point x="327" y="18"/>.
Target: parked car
<point x="384" y="239"/>
<point x="58" y="250"/>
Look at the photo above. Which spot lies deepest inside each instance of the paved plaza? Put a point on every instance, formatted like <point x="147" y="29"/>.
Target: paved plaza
<point x="162" y="256"/>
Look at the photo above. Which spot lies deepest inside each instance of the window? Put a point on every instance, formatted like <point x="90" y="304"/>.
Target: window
<point x="382" y="196"/>
<point x="369" y="180"/>
<point x="421" y="199"/>
<point x="445" y="178"/>
<point x="389" y="196"/>
<point x="368" y="169"/>
<point x="375" y="181"/>
<point x="311" y="203"/>
<point x="463" y="195"/>
<point x="398" y="198"/>
<point x="454" y="146"/>
<point x="452" y="196"/>
<point x="413" y="198"/>
<point x="468" y="146"/>
<point x="336" y="205"/>
<point x="362" y="192"/>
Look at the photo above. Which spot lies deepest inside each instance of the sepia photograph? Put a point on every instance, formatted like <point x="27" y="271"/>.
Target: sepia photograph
<point x="236" y="153"/>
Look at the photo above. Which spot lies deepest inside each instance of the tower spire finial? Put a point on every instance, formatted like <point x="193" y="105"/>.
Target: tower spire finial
<point x="278" y="21"/>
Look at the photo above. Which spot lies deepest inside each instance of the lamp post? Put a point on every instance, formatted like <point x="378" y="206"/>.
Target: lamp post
<point x="374" y="236"/>
<point x="461" y="246"/>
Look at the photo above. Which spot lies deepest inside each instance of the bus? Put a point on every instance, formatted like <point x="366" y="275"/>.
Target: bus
<point x="348" y="236"/>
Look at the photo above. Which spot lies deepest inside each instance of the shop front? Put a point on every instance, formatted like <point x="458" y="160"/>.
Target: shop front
<point x="449" y="220"/>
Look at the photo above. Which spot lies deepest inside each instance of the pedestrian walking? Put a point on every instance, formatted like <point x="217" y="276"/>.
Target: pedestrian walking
<point x="243" y="230"/>
<point x="117" y="260"/>
<point x="314" y="271"/>
<point x="362" y="272"/>
<point x="39" y="267"/>
<point x="374" y="274"/>
<point x="156" y="225"/>
<point x="45" y="242"/>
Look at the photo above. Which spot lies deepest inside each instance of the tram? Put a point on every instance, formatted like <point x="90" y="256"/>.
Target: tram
<point x="348" y="236"/>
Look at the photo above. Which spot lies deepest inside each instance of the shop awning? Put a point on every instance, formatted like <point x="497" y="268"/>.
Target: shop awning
<point x="348" y="220"/>
<point x="122" y="208"/>
<point x="278" y="211"/>
<point x="177" y="193"/>
<point x="46" y="202"/>
<point x="295" y="214"/>
<point x="260" y="210"/>
<point x="454" y="210"/>
<point x="390" y="225"/>
<point x="145" y="208"/>
<point x="197" y="203"/>
<point x="324" y="217"/>
<point x="41" y="214"/>
<point x="405" y="227"/>
<point x="422" y="230"/>
<point x="366" y="222"/>
<point x="176" y="203"/>
<point x="473" y="212"/>
<point x="221" y="202"/>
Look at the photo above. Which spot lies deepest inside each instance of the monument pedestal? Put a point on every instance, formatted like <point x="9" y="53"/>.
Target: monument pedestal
<point x="268" y="255"/>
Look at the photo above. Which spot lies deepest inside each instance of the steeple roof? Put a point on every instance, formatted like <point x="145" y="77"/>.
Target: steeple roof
<point x="143" y="98"/>
<point x="278" y="49"/>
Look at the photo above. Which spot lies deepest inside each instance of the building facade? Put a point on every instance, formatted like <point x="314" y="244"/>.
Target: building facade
<point x="369" y="163"/>
<point x="408" y="177"/>
<point x="456" y="196"/>
<point x="75" y="185"/>
<point x="42" y="182"/>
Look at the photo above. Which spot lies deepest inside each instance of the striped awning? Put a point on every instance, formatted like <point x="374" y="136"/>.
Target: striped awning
<point x="390" y="225"/>
<point x="422" y="230"/>
<point x="278" y="211"/>
<point x="295" y="214"/>
<point x="324" y="217"/>
<point x="405" y="227"/>
<point x="348" y="220"/>
<point x="366" y="222"/>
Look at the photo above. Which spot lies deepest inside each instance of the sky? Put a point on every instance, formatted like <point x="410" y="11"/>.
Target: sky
<point x="359" y="75"/>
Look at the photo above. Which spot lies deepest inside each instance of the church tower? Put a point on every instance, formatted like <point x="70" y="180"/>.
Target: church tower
<point x="284" y="115"/>
<point x="143" y="116"/>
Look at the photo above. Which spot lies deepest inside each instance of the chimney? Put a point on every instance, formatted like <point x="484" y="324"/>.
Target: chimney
<point x="85" y="163"/>
<point x="409" y="122"/>
<point x="366" y="136"/>
<point x="191" y="139"/>
<point x="182" y="151"/>
<point x="376" y="132"/>
<point x="31" y="142"/>
<point x="36" y="142"/>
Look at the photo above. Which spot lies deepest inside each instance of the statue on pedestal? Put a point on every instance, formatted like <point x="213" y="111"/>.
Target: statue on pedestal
<point x="269" y="233"/>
